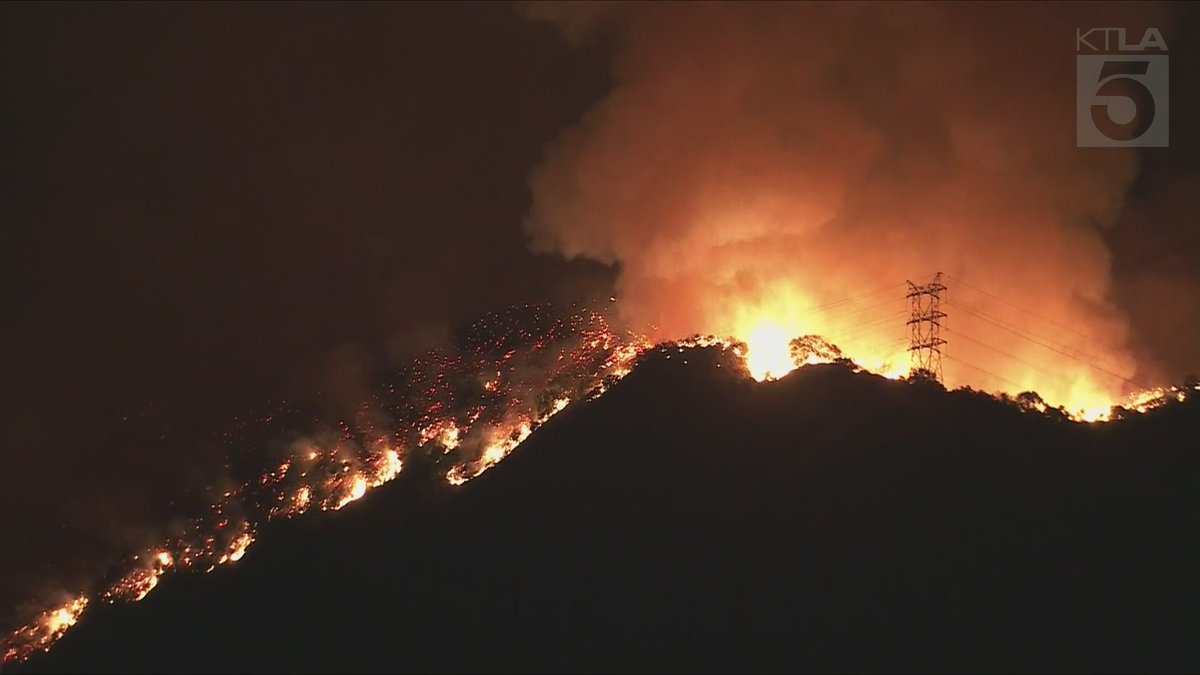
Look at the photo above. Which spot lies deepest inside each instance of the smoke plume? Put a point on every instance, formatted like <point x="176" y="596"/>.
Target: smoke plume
<point x="756" y="163"/>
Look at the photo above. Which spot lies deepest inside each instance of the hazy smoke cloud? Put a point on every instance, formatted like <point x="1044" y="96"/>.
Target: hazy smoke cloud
<point x="756" y="161"/>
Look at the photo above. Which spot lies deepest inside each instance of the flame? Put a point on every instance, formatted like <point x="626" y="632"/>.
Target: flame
<point x="44" y="631"/>
<point x="1140" y="402"/>
<point x="445" y="432"/>
<point x="1091" y="413"/>
<point x="150" y="583"/>
<point x="768" y="327"/>
<point x="240" y="544"/>
<point x="502" y="444"/>
<point x="65" y="617"/>
<point x="768" y="354"/>
<point x="358" y="488"/>
<point x="390" y="466"/>
<point x="330" y="472"/>
<point x="892" y="367"/>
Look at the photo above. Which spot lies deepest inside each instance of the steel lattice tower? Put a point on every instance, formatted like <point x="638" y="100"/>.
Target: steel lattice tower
<point x="924" y="336"/>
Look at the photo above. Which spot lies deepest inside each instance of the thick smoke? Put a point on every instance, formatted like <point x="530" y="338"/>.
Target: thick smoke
<point x="755" y="162"/>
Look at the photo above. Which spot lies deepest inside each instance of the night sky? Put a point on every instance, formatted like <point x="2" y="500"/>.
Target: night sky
<point x="208" y="206"/>
<point x="204" y="207"/>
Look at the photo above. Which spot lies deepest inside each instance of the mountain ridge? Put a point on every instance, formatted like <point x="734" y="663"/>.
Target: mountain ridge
<point x="693" y="519"/>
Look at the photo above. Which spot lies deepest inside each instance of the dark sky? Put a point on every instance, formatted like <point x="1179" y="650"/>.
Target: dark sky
<point x="203" y="205"/>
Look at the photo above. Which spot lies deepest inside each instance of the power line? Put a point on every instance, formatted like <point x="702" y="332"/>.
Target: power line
<point x="863" y="310"/>
<point x="884" y="345"/>
<point x="925" y="324"/>
<point x="1015" y="329"/>
<point x="845" y="302"/>
<point x="983" y="370"/>
<point x="857" y="330"/>
<point x="1014" y="357"/>
<point x="851" y="299"/>
<point x="1035" y="315"/>
<point x="867" y="294"/>
<point x="1031" y="338"/>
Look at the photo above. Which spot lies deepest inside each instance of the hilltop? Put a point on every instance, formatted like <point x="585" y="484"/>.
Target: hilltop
<point x="692" y="519"/>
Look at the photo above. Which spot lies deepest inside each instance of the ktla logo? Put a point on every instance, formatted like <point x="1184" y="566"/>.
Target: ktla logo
<point x="1122" y="91"/>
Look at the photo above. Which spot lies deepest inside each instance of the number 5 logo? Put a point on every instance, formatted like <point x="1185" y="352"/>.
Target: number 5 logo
<point x="1122" y="101"/>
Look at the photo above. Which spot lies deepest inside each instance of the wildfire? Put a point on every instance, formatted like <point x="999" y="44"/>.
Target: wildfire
<point x="329" y="471"/>
<point x="135" y="586"/>
<point x="1140" y="402"/>
<point x="358" y="488"/>
<point x="444" y="432"/>
<point x="390" y="466"/>
<point x="65" y="617"/>
<point x="239" y="546"/>
<point x="768" y="354"/>
<point x="472" y="433"/>
<point x="501" y="446"/>
<point x="44" y="630"/>
<point x="893" y="367"/>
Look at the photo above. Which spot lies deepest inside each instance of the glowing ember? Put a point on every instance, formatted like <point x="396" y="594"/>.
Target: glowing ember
<point x="445" y="432"/>
<point x="357" y="489"/>
<point x="389" y="467"/>
<point x="44" y="630"/>
<point x="499" y="448"/>
<point x="238" y="549"/>
<point x="459" y="475"/>
<point x="65" y="617"/>
<point x="492" y="454"/>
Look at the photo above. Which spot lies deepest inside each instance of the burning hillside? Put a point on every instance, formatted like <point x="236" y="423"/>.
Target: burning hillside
<point x="889" y="203"/>
<point x="768" y="170"/>
<point x="468" y="409"/>
<point x="826" y="520"/>
<point x="465" y="411"/>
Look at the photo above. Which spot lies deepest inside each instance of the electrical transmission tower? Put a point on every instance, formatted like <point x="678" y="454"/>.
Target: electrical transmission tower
<point x="924" y="326"/>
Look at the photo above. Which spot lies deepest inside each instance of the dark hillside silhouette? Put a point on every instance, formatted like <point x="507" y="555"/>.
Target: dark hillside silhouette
<point x="691" y="519"/>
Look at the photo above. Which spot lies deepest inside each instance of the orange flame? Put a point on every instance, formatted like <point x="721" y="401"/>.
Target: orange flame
<point x="330" y="478"/>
